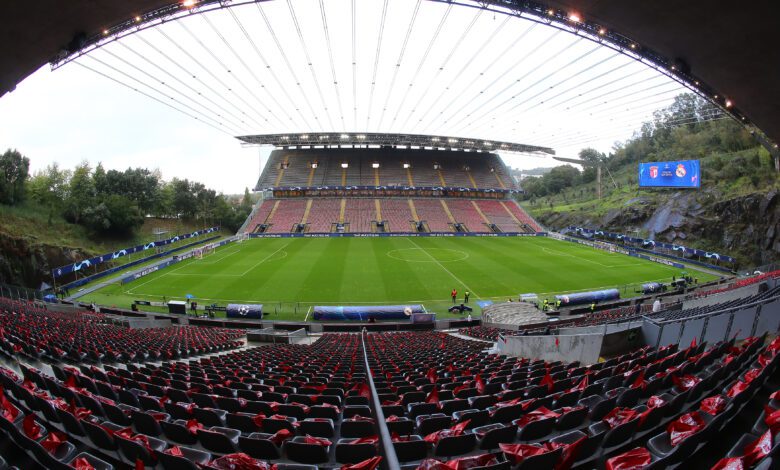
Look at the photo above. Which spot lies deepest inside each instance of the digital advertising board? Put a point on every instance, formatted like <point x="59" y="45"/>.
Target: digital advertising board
<point x="674" y="174"/>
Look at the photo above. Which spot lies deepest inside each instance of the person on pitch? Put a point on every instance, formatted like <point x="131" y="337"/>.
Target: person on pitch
<point x="466" y="296"/>
<point x="454" y="295"/>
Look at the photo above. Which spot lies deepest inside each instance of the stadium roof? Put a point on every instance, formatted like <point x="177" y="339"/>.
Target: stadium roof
<point x="731" y="52"/>
<point x="395" y="140"/>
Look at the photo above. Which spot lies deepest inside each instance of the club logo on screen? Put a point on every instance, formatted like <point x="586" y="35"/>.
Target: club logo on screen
<point x="653" y="172"/>
<point x="680" y="172"/>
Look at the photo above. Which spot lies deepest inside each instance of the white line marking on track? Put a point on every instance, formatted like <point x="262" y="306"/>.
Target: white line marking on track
<point x="442" y="267"/>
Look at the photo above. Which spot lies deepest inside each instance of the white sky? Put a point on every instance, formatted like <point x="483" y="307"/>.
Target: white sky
<point x="446" y="70"/>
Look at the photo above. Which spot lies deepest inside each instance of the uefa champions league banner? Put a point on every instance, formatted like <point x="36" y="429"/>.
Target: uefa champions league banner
<point x="72" y="268"/>
<point x="244" y="311"/>
<point x="394" y="187"/>
<point x="676" y="174"/>
<point x="649" y="244"/>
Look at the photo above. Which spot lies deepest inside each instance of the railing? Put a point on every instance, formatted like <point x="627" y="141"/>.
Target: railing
<point x="386" y="448"/>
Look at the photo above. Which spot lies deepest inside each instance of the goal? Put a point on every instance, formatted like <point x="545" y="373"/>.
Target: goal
<point x="205" y="251"/>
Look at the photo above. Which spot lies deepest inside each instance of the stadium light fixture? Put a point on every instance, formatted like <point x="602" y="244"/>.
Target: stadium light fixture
<point x="137" y="19"/>
<point x="375" y="165"/>
<point x="602" y="31"/>
<point x="305" y="136"/>
<point x="406" y="166"/>
<point x="729" y="103"/>
<point x="345" y="165"/>
<point x="361" y="137"/>
<point x="452" y="141"/>
<point x="344" y="136"/>
<point x="551" y="12"/>
<point x="314" y="164"/>
<point x="189" y="3"/>
<point x="575" y="18"/>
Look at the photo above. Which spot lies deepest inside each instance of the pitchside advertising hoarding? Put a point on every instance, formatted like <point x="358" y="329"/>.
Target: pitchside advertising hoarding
<point x="676" y="174"/>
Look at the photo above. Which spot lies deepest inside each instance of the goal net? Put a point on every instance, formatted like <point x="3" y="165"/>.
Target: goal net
<point x="205" y="251"/>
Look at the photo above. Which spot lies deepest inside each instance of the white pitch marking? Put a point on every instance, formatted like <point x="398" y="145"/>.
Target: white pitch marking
<point x="445" y="269"/>
<point x="264" y="259"/>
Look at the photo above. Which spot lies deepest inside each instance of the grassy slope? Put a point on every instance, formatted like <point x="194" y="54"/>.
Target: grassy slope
<point x="289" y="275"/>
<point x="582" y="198"/>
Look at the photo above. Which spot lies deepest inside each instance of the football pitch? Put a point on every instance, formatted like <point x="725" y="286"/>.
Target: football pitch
<point x="289" y="275"/>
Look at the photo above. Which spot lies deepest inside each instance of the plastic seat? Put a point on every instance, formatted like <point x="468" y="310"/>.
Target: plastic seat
<point x="536" y="430"/>
<point x="455" y="445"/>
<point x="319" y="427"/>
<point x="402" y="426"/>
<point x="493" y="434"/>
<point x="543" y="461"/>
<point x="298" y="450"/>
<point x="259" y="446"/>
<point x="134" y="450"/>
<point x="101" y="438"/>
<point x="351" y="428"/>
<point x="506" y="414"/>
<point x="147" y="424"/>
<point x="219" y="440"/>
<point x="71" y="423"/>
<point x="419" y="409"/>
<point x="571" y="419"/>
<point x="209" y="417"/>
<point x="476" y="417"/>
<point x="348" y="452"/>
<point x="97" y="463"/>
<point x="191" y="459"/>
<point x="411" y="450"/>
<point x="177" y="433"/>
<point x="427" y="424"/>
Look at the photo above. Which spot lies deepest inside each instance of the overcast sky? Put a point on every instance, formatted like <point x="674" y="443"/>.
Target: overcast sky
<point x="434" y="69"/>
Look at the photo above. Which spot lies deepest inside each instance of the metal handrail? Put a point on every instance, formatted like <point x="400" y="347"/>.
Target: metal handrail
<point x="387" y="450"/>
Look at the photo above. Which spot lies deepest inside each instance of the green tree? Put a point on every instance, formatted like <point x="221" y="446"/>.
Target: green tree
<point x="14" y="168"/>
<point x="81" y="194"/>
<point x="49" y="188"/>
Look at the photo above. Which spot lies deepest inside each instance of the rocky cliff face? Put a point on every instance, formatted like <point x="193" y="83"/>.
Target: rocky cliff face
<point x="746" y="227"/>
<point x="23" y="262"/>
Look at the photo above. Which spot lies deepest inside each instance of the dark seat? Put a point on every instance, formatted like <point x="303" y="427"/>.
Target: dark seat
<point x="571" y="419"/>
<point x="427" y="424"/>
<point x="543" y="461"/>
<point x="536" y="430"/>
<point x="319" y="427"/>
<point x="347" y="451"/>
<point x="493" y="434"/>
<point x="350" y="428"/>
<point x="298" y="450"/>
<point x="411" y="450"/>
<point x="191" y="459"/>
<point x="219" y="440"/>
<point x="133" y="450"/>
<point x="147" y="424"/>
<point x="455" y="445"/>
<point x="259" y="446"/>
<point x="176" y="432"/>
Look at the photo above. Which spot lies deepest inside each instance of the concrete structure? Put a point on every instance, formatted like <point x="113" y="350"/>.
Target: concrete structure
<point x="584" y="348"/>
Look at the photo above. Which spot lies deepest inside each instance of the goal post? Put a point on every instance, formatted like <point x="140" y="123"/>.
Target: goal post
<point x="205" y="250"/>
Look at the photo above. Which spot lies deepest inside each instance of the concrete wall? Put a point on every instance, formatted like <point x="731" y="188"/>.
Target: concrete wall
<point x="583" y="348"/>
<point x="733" y="294"/>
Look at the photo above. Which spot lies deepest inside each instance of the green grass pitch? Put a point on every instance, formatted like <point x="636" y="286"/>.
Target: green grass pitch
<point x="288" y="275"/>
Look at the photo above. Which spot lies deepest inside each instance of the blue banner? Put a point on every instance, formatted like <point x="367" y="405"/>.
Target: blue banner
<point x="72" y="268"/>
<point x="109" y="271"/>
<point x="244" y="311"/>
<point x="676" y="174"/>
<point x="648" y="244"/>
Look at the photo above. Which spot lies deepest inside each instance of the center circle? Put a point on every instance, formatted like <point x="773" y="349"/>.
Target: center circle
<point x="427" y="255"/>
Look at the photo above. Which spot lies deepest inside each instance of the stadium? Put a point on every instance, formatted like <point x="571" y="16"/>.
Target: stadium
<point x="418" y="277"/>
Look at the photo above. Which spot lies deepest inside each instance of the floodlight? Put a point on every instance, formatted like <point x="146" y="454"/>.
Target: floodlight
<point x="375" y="165"/>
<point x="345" y="165"/>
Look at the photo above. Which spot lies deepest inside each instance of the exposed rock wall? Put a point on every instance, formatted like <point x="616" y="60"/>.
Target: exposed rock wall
<point x="23" y="262"/>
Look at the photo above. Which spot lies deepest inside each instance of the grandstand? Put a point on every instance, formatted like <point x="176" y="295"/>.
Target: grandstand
<point x="384" y="190"/>
<point x="410" y="398"/>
